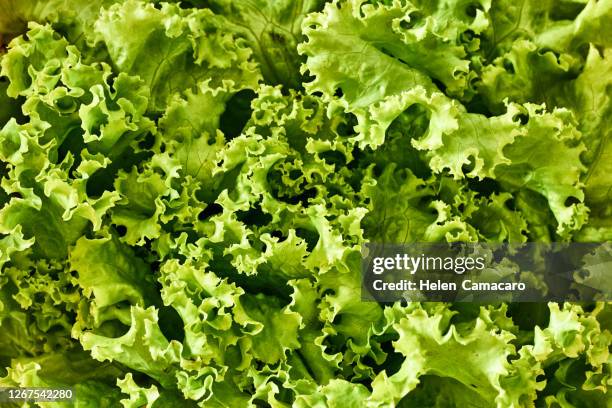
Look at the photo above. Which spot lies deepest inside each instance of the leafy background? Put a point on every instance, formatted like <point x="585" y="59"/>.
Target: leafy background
<point x="186" y="189"/>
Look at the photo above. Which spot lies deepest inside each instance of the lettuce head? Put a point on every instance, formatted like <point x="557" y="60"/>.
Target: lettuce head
<point x="186" y="188"/>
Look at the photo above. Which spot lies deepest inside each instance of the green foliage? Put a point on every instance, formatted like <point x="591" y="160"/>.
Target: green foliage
<point x="186" y="189"/>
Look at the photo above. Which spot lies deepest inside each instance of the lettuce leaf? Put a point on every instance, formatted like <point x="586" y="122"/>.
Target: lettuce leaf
<point x="174" y="49"/>
<point x="273" y="31"/>
<point x="186" y="189"/>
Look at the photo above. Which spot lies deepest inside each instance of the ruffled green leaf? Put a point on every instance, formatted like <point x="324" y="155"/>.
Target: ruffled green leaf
<point x="174" y="49"/>
<point x="273" y="31"/>
<point x="91" y="382"/>
<point x="143" y="348"/>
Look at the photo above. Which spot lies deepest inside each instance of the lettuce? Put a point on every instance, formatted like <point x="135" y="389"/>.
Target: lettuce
<point x="186" y="189"/>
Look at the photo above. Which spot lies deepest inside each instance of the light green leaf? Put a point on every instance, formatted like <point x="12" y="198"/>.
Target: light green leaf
<point x="174" y="49"/>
